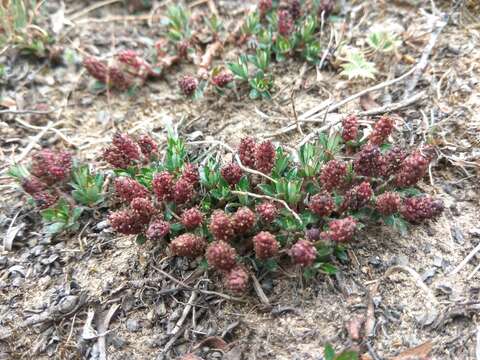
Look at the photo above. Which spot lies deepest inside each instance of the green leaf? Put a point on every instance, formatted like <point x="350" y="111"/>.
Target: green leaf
<point x="140" y="239"/>
<point x="18" y="172"/>
<point x="383" y="41"/>
<point x="55" y="228"/>
<point x="356" y="66"/>
<point x="309" y="218"/>
<point x="328" y="269"/>
<point x="409" y="192"/>
<point x="397" y="223"/>
<point x="328" y="352"/>
<point x="267" y="189"/>
<point x="347" y="355"/>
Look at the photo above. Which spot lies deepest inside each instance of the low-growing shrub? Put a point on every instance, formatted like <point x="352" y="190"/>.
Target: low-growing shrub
<point x="267" y="203"/>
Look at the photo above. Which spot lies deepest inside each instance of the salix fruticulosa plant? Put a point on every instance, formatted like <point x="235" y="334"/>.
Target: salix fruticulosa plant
<point x="60" y="189"/>
<point x="307" y="205"/>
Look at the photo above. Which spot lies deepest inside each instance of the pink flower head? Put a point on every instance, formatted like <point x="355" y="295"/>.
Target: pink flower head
<point x="190" y="174"/>
<point x="388" y="203"/>
<point x="126" y="145"/>
<point x="163" y="184"/>
<point x="267" y="211"/>
<point x="342" y="230"/>
<point x="128" y="189"/>
<point x="265" y="157"/>
<point x="350" y="128"/>
<point x="266" y="245"/>
<point x="134" y="64"/>
<point x="333" y="174"/>
<point x="51" y="166"/>
<point x="221" y="226"/>
<point x="246" y="152"/>
<point x="381" y="131"/>
<point x="118" y="79"/>
<point x="232" y="173"/>
<point x="125" y="222"/>
<point x="188" y="84"/>
<point x="285" y="23"/>
<point x="236" y="280"/>
<point x="45" y="199"/>
<point x="243" y="220"/>
<point x="303" y="253"/>
<point x="148" y="147"/>
<point x="33" y="185"/>
<point x="221" y="256"/>
<point x="321" y="204"/>
<point x="412" y="169"/>
<point x="143" y="208"/>
<point x="189" y="245"/>
<point x="418" y="209"/>
<point x="295" y="9"/>
<point x="158" y="229"/>
<point x="192" y="218"/>
<point x="369" y="161"/>
<point x="357" y="197"/>
<point x="393" y="160"/>
<point x="182" y="191"/>
<point x="222" y="79"/>
<point x="96" y="68"/>
<point x="264" y="6"/>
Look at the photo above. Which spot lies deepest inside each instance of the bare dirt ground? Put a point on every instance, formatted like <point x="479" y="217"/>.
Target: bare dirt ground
<point x="55" y="295"/>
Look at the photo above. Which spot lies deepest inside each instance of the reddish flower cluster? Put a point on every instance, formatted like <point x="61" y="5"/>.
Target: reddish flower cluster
<point x="321" y="204"/>
<point x="303" y="253"/>
<point x="393" y="159"/>
<point x="162" y="185"/>
<point x="188" y="245"/>
<point x="50" y="166"/>
<point x="369" y="161"/>
<point x="236" y="280"/>
<point x="96" y="68"/>
<point x="183" y="191"/>
<point x="45" y="199"/>
<point x="265" y="244"/>
<point x="232" y="173"/>
<point x="285" y="23"/>
<point x="123" y="152"/>
<point x="357" y="197"/>
<point x="264" y="6"/>
<point x="32" y="185"/>
<point x="381" y="131"/>
<point x="221" y="226"/>
<point x="341" y="230"/>
<point x="326" y="7"/>
<point x="265" y="157"/>
<point x="295" y="9"/>
<point x="148" y="147"/>
<point x="143" y="208"/>
<point x="333" y="175"/>
<point x="158" y="229"/>
<point x="388" y="203"/>
<point x="412" y="169"/>
<point x="221" y="255"/>
<point x="267" y="211"/>
<point x="418" y="209"/>
<point x="190" y="174"/>
<point x="125" y="222"/>
<point x="128" y="189"/>
<point x="110" y="75"/>
<point x="134" y="65"/>
<point x="246" y="152"/>
<point x="192" y="218"/>
<point x="350" y="128"/>
<point x="243" y="220"/>
<point x="222" y="79"/>
<point x="188" y="84"/>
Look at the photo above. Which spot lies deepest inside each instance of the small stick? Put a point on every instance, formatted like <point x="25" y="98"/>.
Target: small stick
<point x="395" y="106"/>
<point x="26" y="111"/>
<point x="92" y="7"/>
<point x="466" y="260"/>
<point x="258" y="196"/>
<point x="237" y="158"/>
<point x="258" y="289"/>
<point x="186" y="311"/>
<point x="292" y="100"/>
<point x="339" y="104"/>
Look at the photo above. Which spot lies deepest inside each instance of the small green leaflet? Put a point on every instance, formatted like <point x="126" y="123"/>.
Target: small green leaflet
<point x="357" y="66"/>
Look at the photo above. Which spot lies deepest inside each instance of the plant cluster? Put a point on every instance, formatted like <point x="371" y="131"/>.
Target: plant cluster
<point x="59" y="189"/>
<point x="274" y="31"/>
<point x="17" y="28"/>
<point x="269" y="203"/>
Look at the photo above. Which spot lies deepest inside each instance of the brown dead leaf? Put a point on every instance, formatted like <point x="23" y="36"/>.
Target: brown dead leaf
<point x="355" y="326"/>
<point x="214" y="342"/>
<point x="420" y="352"/>
<point x="367" y="103"/>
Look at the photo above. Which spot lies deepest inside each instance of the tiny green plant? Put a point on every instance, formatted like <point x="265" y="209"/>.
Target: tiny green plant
<point x="87" y="187"/>
<point x="61" y="217"/>
<point x="356" y="66"/>
<point x="383" y="41"/>
<point x="329" y="354"/>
